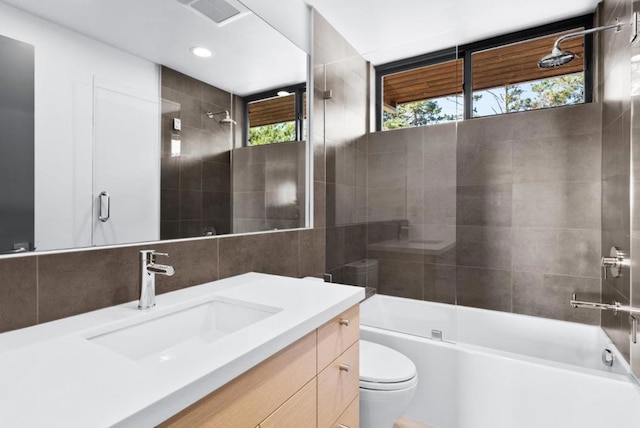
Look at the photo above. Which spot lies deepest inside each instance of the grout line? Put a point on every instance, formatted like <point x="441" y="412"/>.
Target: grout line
<point x="298" y="255"/>
<point x="218" y="259"/>
<point x="37" y="290"/>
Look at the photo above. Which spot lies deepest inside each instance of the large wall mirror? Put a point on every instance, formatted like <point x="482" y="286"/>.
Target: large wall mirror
<point x="139" y="121"/>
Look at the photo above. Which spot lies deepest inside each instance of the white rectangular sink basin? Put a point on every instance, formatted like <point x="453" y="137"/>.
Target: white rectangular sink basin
<point x="206" y="322"/>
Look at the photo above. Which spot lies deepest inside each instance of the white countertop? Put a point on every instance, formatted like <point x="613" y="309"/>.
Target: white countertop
<point x="51" y="375"/>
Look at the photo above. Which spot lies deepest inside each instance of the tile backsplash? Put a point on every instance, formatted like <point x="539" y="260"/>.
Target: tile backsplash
<point x="41" y="288"/>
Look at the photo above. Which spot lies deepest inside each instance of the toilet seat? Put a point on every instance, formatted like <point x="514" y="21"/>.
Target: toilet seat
<point x="385" y="369"/>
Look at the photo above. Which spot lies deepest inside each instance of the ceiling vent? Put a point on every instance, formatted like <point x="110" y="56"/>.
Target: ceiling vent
<point x="219" y="11"/>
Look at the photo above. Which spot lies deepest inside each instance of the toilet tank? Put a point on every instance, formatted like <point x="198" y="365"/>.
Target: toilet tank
<point x="362" y="272"/>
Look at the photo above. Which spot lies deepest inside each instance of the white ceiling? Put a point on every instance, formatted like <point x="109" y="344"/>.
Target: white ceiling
<point x="384" y="31"/>
<point x="249" y="55"/>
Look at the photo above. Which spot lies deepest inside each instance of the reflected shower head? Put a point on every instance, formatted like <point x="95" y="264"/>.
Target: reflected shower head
<point x="225" y="119"/>
<point x="556" y="58"/>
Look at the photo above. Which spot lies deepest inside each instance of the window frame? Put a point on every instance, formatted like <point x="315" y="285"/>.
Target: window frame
<point x="465" y="52"/>
<point x="298" y="91"/>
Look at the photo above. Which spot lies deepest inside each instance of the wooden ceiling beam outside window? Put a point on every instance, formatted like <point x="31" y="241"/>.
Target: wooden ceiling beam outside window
<point x="274" y="110"/>
<point x="423" y="83"/>
<point x="516" y="63"/>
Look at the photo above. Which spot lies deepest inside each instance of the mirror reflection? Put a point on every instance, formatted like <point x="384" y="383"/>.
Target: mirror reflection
<point x="170" y="127"/>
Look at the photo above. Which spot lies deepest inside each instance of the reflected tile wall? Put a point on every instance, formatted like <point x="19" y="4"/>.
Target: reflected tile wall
<point x="268" y="187"/>
<point x="195" y="186"/>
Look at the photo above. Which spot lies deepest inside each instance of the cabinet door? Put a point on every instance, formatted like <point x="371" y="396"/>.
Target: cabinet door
<point x="337" y="335"/>
<point x="351" y="417"/>
<point x="299" y="411"/>
<point x="338" y="385"/>
<point x="251" y="398"/>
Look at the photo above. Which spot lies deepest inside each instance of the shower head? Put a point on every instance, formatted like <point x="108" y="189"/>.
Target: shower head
<point x="225" y="119"/>
<point x="559" y="57"/>
<point x="556" y="58"/>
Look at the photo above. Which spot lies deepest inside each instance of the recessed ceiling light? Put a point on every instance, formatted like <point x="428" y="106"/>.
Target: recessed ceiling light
<point x="201" y="51"/>
<point x="283" y="93"/>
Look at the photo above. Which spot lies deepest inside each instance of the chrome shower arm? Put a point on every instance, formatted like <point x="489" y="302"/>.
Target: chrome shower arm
<point x="561" y="39"/>
<point x="617" y="26"/>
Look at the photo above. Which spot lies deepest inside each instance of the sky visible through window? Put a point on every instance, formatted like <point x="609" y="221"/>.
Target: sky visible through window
<point x="543" y="93"/>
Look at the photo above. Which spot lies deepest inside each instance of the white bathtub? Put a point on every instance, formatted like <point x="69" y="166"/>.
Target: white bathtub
<point x="500" y="370"/>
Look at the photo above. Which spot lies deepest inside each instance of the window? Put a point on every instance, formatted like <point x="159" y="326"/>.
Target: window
<point x="494" y="76"/>
<point x="507" y="79"/>
<point x="422" y="96"/>
<point x="274" y="118"/>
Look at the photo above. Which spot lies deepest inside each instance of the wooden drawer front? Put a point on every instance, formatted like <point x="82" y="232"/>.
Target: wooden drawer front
<point x="299" y="411"/>
<point x="249" y="399"/>
<point x="337" y="388"/>
<point x="334" y="338"/>
<point x="351" y="417"/>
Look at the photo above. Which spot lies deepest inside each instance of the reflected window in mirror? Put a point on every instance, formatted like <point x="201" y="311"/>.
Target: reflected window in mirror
<point x="276" y="116"/>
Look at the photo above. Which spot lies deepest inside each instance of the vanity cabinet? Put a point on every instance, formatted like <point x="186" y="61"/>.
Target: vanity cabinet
<point x="311" y="383"/>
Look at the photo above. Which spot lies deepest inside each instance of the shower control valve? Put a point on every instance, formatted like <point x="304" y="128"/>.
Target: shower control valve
<point x="614" y="263"/>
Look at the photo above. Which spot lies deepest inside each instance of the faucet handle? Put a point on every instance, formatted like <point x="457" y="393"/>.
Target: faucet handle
<point x="150" y="255"/>
<point x="154" y="254"/>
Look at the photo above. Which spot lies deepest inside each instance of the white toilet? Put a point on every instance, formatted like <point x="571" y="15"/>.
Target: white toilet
<point x="388" y="381"/>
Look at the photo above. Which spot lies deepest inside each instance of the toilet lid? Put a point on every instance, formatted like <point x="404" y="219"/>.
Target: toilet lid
<point x="381" y="364"/>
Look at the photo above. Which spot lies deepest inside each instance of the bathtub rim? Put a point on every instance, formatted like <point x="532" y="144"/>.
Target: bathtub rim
<point x="627" y="376"/>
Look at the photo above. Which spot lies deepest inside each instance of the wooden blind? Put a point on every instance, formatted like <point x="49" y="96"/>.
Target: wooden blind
<point x="518" y="62"/>
<point x="492" y="68"/>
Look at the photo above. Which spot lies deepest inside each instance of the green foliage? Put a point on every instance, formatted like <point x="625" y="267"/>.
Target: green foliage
<point x="545" y="93"/>
<point x="558" y="91"/>
<point x="508" y="99"/>
<point x="269" y="134"/>
<point x="417" y="113"/>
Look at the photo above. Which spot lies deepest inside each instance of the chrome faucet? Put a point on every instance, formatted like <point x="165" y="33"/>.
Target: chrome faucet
<point x="149" y="268"/>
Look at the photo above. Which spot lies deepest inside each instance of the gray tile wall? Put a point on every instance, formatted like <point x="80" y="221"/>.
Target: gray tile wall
<point x="340" y="125"/>
<point x="518" y="196"/>
<point x="616" y="128"/>
<point x="411" y="195"/>
<point x="41" y="288"/>
<point x="196" y="186"/>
